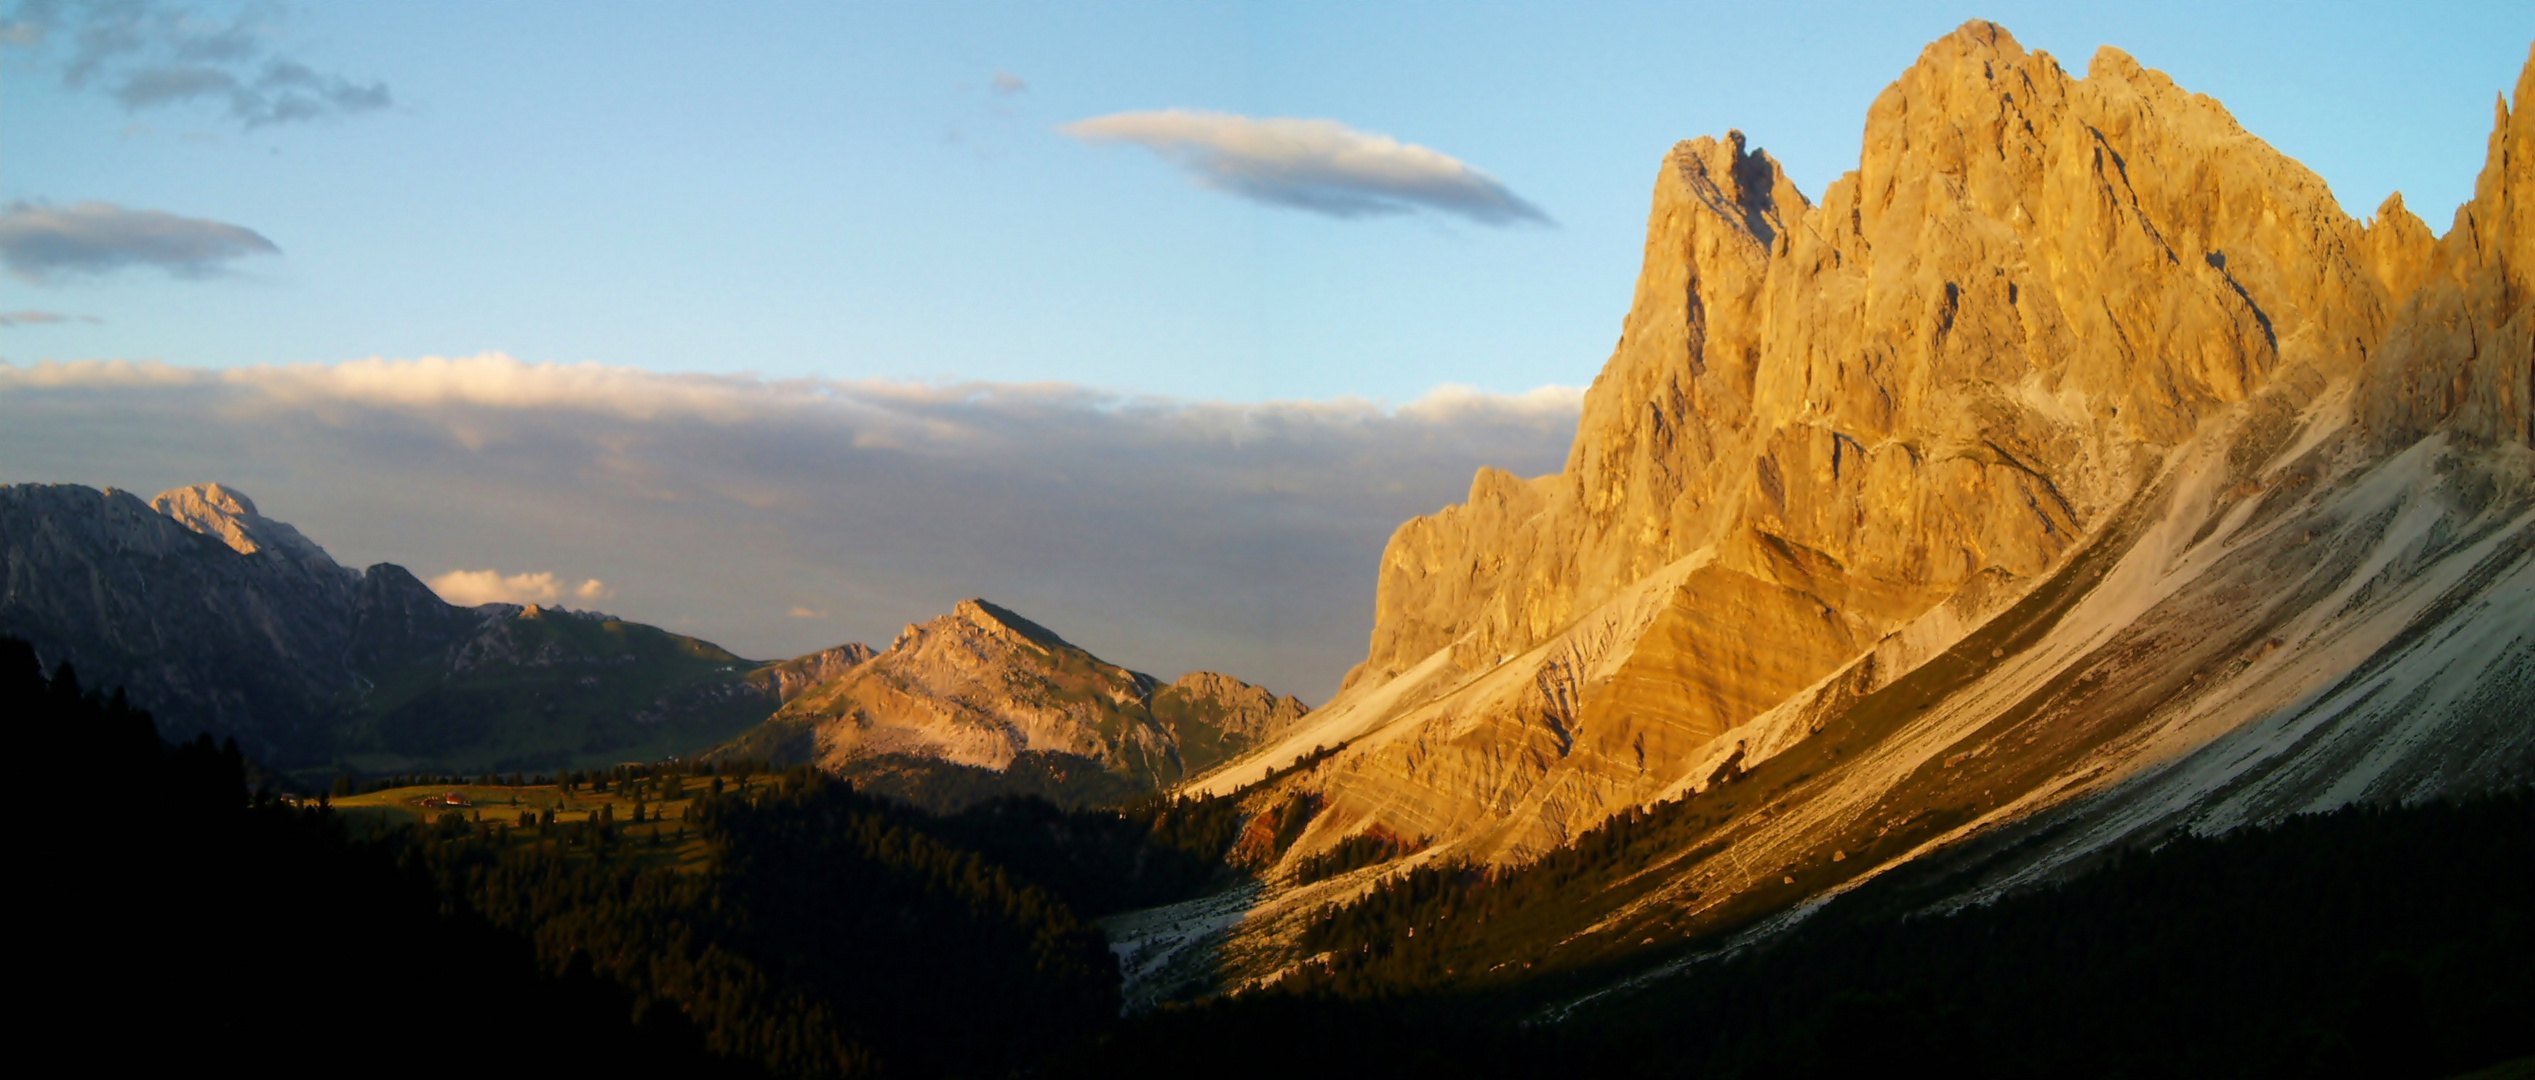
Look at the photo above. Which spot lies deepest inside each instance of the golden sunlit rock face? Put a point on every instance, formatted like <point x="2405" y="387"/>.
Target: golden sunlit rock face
<point x="1836" y="438"/>
<point x="981" y="686"/>
<point x="2463" y="353"/>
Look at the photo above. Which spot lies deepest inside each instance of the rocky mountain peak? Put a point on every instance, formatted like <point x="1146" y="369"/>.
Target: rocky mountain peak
<point x="217" y="618"/>
<point x="226" y="514"/>
<point x="2462" y="358"/>
<point x="983" y="690"/>
<point x="1838" y="436"/>
<point x="976" y="634"/>
<point x="1741" y="185"/>
<point x="1004" y="624"/>
<point x="2399" y="247"/>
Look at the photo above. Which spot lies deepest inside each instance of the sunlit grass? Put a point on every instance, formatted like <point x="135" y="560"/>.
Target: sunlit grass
<point x="667" y="837"/>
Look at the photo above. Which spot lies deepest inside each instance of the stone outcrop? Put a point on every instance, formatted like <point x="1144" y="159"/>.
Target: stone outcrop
<point x="790" y="679"/>
<point x="1836" y="438"/>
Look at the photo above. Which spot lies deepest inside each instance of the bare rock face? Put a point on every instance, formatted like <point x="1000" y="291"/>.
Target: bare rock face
<point x="978" y="687"/>
<point x="983" y="689"/>
<point x="789" y="679"/>
<point x="227" y="515"/>
<point x="2464" y="354"/>
<point x="1836" y="439"/>
<point x="1213" y="717"/>
<point x="244" y="641"/>
<point x="218" y="619"/>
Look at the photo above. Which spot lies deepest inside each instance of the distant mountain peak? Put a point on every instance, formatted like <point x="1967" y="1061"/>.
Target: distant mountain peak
<point x="982" y="700"/>
<point x="226" y="514"/>
<point x="217" y="618"/>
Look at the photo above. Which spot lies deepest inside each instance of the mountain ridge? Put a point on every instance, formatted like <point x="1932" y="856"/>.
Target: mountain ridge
<point x="2075" y="467"/>
<point x="982" y="698"/>
<point x="219" y="619"/>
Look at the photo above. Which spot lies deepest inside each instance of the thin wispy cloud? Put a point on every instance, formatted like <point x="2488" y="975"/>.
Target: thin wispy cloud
<point x="45" y="244"/>
<point x="780" y="516"/>
<point x="146" y="54"/>
<point x="1322" y="166"/>
<point x="1008" y="84"/>
<point x="44" y="318"/>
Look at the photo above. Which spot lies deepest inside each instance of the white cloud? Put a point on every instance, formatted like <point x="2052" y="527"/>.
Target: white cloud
<point x="1318" y="165"/>
<point x="43" y="243"/>
<point x="1454" y="400"/>
<point x="467" y="588"/>
<point x="100" y="375"/>
<point x="1166" y="535"/>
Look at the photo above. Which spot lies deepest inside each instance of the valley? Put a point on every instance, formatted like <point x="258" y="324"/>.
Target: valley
<point x="2058" y="601"/>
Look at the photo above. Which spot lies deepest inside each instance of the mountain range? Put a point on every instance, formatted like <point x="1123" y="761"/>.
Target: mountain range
<point x="218" y="619"/>
<point x="2073" y="477"/>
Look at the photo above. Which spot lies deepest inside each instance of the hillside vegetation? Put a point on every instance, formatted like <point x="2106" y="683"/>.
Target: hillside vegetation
<point x="2382" y="942"/>
<point x="729" y="920"/>
<point x="231" y="927"/>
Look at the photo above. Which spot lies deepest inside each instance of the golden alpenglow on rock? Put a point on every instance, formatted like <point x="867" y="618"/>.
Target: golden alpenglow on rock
<point x="982" y="702"/>
<point x="2075" y="459"/>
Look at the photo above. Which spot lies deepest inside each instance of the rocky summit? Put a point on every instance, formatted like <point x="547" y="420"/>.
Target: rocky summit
<point x="982" y="702"/>
<point x="2074" y="470"/>
<point x="218" y="619"/>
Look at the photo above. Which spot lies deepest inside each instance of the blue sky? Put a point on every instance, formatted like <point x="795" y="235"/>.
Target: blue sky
<point x="842" y="190"/>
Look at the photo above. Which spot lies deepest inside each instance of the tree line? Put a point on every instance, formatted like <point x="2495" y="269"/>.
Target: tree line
<point x="827" y="932"/>
<point x="188" y="918"/>
<point x="2373" y="941"/>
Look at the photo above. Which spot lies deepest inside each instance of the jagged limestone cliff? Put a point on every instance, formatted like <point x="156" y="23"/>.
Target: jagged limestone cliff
<point x="2075" y="459"/>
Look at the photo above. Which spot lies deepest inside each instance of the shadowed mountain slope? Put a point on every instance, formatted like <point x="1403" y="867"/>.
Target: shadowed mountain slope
<point x="216" y="618"/>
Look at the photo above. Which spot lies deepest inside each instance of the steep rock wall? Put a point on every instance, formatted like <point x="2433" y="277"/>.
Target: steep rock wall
<point x="2463" y="357"/>
<point x="1829" y="428"/>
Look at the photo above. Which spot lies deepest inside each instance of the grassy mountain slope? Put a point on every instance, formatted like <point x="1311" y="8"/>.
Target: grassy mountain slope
<point x="543" y="689"/>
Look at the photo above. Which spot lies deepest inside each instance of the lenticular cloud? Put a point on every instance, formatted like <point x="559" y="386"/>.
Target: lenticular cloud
<point x="44" y="244"/>
<point x="1322" y="166"/>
